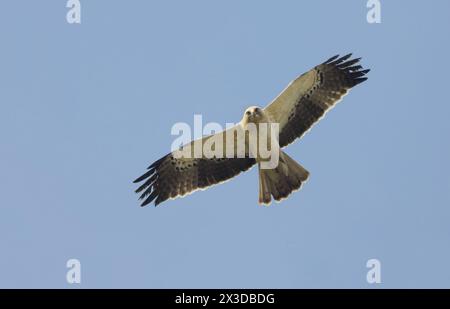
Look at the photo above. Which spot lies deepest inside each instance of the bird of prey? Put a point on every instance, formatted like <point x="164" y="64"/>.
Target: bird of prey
<point x="296" y="109"/>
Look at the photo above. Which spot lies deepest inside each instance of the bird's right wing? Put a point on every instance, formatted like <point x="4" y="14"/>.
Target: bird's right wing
<point x="186" y="170"/>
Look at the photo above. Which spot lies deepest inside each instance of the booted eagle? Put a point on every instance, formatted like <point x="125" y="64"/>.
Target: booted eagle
<point x="295" y="110"/>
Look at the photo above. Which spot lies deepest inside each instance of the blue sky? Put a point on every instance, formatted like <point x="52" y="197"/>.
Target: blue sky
<point x="85" y="108"/>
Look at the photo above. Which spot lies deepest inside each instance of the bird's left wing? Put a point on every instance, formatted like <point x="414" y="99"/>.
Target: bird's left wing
<point x="183" y="171"/>
<point x="306" y="99"/>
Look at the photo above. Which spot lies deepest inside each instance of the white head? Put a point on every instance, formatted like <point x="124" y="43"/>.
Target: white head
<point x="253" y="114"/>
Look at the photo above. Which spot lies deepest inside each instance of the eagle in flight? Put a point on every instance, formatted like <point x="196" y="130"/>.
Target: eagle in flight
<point x="295" y="110"/>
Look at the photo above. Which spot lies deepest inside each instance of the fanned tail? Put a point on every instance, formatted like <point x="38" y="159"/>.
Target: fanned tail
<point x="281" y="181"/>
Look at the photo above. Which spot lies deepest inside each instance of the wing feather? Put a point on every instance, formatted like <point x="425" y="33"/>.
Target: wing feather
<point x="306" y="99"/>
<point x="174" y="176"/>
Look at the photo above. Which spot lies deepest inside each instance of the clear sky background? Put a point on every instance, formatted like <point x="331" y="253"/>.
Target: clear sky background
<point x="85" y="108"/>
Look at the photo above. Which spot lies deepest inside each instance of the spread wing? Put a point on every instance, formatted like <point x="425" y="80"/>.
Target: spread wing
<point x="182" y="172"/>
<point x="306" y="99"/>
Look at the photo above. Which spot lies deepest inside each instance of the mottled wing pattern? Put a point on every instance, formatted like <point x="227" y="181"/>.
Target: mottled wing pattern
<point x="174" y="176"/>
<point x="306" y="99"/>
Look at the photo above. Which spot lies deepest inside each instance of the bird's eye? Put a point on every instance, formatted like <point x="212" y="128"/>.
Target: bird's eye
<point x="247" y="113"/>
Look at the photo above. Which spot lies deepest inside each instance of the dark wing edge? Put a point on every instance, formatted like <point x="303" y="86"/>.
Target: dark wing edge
<point x="335" y="77"/>
<point x="169" y="177"/>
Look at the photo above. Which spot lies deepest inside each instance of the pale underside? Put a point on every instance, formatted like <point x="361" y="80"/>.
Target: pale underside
<point x="301" y="104"/>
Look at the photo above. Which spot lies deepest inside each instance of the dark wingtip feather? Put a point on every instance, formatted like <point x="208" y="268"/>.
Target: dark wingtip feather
<point x="354" y="68"/>
<point x="144" y="176"/>
<point x="353" y="71"/>
<point x="151" y="169"/>
<point x="349" y="63"/>
<point x="149" y="199"/>
<point x="149" y="182"/>
<point x="332" y="59"/>
<point x="150" y="187"/>
<point x="359" y="80"/>
<point x="158" y="162"/>
<point x="340" y="61"/>
<point x="343" y="58"/>
<point x="145" y="203"/>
